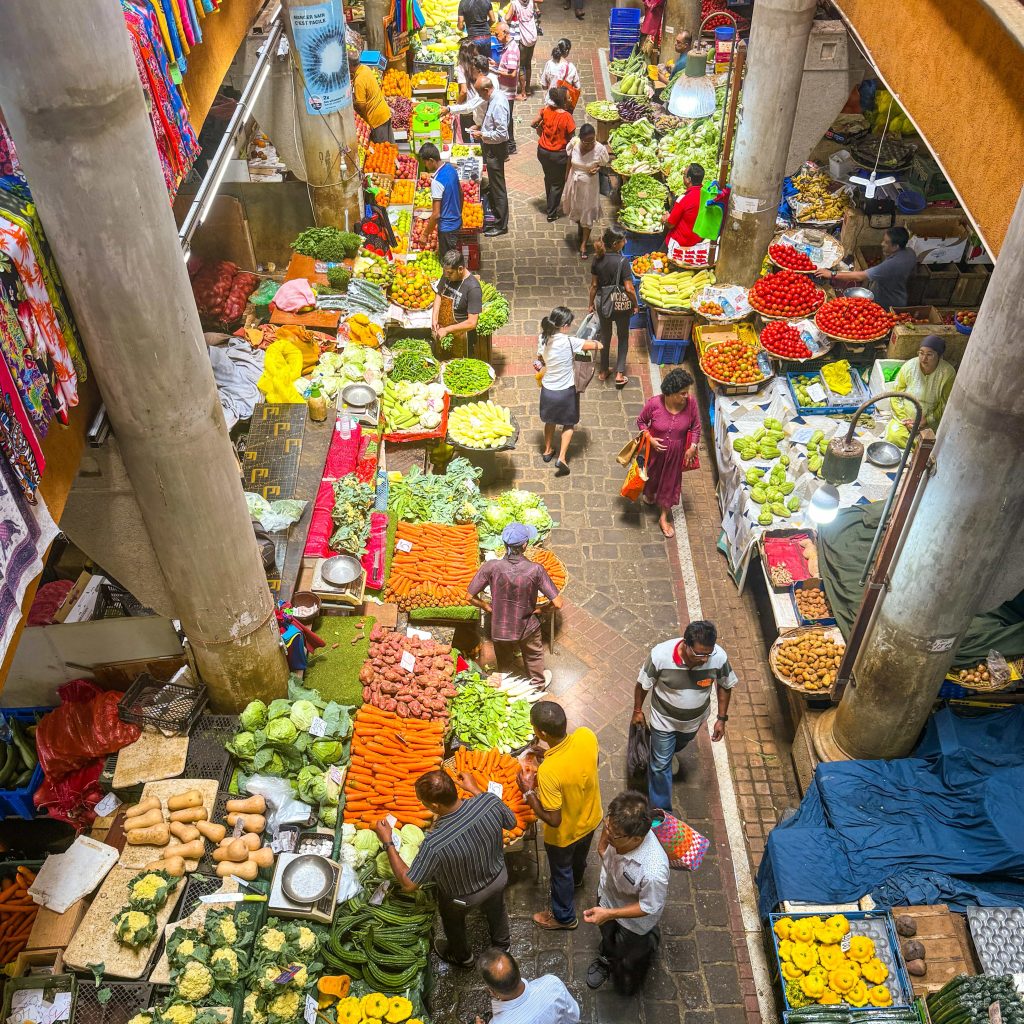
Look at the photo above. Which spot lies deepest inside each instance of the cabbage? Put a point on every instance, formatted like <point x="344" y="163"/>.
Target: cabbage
<point x="537" y="518"/>
<point x="384" y="865"/>
<point x="254" y="716"/>
<point x="282" y="730"/>
<point x="519" y="500"/>
<point x="496" y="517"/>
<point x="412" y="834"/>
<point x="311" y="784"/>
<point x="366" y="841"/>
<point x="329" y="816"/>
<point x="328" y="751"/>
<point x="278" y="708"/>
<point x="274" y="766"/>
<point x="243" y="746"/>
<point x="302" y="714"/>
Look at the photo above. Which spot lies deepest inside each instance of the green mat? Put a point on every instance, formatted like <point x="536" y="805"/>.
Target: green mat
<point x="334" y="671"/>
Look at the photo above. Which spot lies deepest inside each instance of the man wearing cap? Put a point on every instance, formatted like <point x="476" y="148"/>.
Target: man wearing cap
<point x="929" y="378"/>
<point x="515" y="583"/>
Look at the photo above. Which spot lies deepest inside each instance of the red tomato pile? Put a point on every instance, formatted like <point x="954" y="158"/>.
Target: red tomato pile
<point x="734" y="362"/>
<point x="789" y="258"/>
<point x="781" y="339"/>
<point x="857" y="319"/>
<point x="785" y="294"/>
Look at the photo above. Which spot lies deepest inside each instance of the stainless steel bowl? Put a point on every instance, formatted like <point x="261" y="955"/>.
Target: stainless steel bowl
<point x="358" y="396"/>
<point x="341" y="570"/>
<point x="883" y="454"/>
<point x="859" y="293"/>
<point x="307" y="879"/>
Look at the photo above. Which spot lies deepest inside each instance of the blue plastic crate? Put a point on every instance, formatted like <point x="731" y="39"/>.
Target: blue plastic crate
<point x="843" y="404"/>
<point x="623" y="35"/>
<point x="619" y="51"/>
<point x="17" y="803"/>
<point x="664" y="352"/>
<point x="624" y="17"/>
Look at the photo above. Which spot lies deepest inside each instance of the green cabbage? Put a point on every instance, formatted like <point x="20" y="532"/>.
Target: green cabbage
<point x="311" y="784"/>
<point x="243" y="746"/>
<point x="329" y="816"/>
<point x="328" y="751"/>
<point x="497" y="518"/>
<point x="518" y="500"/>
<point x="302" y="714"/>
<point x="281" y="730"/>
<point x="412" y="834"/>
<point x="366" y="841"/>
<point x="278" y="708"/>
<point x="536" y="517"/>
<point x="254" y="716"/>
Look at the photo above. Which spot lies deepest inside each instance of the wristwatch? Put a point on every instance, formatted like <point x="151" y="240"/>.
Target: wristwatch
<point x="388" y="844"/>
<point x="723" y="718"/>
<point x="529" y="792"/>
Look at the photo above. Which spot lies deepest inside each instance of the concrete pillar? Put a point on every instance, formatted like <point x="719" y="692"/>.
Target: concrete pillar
<point x="775" y="66"/>
<point x="374" y="24"/>
<point x="680" y="16"/>
<point x="72" y="98"/>
<point x="960" y="537"/>
<point x="329" y="141"/>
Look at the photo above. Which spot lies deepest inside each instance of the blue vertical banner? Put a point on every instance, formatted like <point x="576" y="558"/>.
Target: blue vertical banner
<point x="319" y="34"/>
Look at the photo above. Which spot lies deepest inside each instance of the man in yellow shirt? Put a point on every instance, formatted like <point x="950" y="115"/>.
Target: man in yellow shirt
<point x="368" y="100"/>
<point x="566" y="797"/>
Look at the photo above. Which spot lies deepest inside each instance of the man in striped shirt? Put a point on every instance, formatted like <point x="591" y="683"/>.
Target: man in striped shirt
<point x="514" y="1000"/>
<point x="464" y="854"/>
<point x="679" y="674"/>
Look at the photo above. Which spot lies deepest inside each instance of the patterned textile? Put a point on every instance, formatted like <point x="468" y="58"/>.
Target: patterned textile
<point x="19" y="444"/>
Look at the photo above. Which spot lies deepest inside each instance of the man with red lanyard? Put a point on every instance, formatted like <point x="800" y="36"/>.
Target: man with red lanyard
<point x="683" y="214"/>
<point x="678" y="674"/>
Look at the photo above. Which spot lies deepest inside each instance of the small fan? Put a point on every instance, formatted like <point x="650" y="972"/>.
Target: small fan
<point x="872" y="183"/>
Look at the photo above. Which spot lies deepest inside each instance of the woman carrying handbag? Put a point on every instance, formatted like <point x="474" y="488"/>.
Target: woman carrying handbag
<point x="560" y="382"/>
<point x="613" y="296"/>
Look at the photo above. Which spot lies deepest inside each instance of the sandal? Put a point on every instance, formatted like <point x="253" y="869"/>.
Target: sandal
<point x="583" y="255"/>
<point x="604" y="374"/>
<point x="669" y="533"/>
<point x="621" y="383"/>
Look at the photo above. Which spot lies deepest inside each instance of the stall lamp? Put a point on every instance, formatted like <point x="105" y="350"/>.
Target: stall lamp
<point x="824" y="505"/>
<point x="693" y="94"/>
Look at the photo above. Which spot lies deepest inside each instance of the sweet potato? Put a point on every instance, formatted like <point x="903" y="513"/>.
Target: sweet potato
<point x="156" y="835"/>
<point x="190" y="798"/>
<point x="189" y="814"/>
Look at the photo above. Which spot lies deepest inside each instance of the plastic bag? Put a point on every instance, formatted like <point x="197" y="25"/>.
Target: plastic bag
<point x="282" y="807"/>
<point x="638" y="750"/>
<point x="84" y="728"/>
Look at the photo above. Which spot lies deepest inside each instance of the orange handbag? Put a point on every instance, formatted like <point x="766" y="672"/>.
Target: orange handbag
<point x="636" y="475"/>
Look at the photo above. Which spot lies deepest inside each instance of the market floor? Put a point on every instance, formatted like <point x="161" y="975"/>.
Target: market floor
<point x="628" y="589"/>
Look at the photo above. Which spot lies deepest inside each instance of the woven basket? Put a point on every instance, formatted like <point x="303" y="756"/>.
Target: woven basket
<point x="827" y="632"/>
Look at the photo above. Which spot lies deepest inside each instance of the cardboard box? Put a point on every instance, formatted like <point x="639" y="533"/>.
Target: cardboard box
<point x="905" y="341"/>
<point x="928" y="313"/>
<point x="937" y="241"/>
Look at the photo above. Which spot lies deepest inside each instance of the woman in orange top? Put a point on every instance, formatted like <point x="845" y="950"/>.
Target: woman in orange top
<point x="555" y="126"/>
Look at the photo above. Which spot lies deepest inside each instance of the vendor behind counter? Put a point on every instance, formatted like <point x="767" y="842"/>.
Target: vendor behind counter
<point x="929" y="378"/>
<point x="458" y="303"/>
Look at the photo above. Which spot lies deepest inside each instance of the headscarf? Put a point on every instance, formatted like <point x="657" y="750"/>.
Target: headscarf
<point x="936" y="343"/>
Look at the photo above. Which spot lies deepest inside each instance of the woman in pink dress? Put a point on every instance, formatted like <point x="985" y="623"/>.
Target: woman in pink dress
<point x="672" y="422"/>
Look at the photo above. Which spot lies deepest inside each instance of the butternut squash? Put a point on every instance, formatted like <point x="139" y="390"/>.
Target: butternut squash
<point x="184" y="833"/>
<point x="189" y="814"/>
<point x="174" y="866"/>
<point x="246" y="871"/>
<point x="251" y="840"/>
<point x="252" y="805"/>
<point x="190" y="851"/>
<point x="250" y="822"/>
<point x="151" y="803"/>
<point x="263" y="857"/>
<point x="208" y="830"/>
<point x="145" y="820"/>
<point x="190" y="798"/>
<point x="156" y="835"/>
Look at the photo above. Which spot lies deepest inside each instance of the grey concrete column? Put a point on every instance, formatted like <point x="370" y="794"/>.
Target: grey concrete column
<point x="329" y="141"/>
<point x="75" y="107"/>
<point x="960" y="537"/>
<point x="775" y="65"/>
<point x="680" y="15"/>
<point x="374" y="24"/>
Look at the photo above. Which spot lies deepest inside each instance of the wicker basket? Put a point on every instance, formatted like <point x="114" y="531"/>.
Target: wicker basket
<point x="826" y="632"/>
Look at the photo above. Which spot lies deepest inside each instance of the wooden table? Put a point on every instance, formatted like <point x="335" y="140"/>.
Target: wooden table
<point x="318" y="319"/>
<point x="947" y="946"/>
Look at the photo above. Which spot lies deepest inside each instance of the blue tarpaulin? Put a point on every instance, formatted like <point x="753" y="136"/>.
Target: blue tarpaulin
<point x="946" y="825"/>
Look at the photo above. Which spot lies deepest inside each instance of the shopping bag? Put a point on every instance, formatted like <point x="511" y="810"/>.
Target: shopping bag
<point x="626" y="452"/>
<point x="571" y="91"/>
<point x="582" y="371"/>
<point x="636" y="475"/>
<point x="685" y="846"/>
<point x="638" y="750"/>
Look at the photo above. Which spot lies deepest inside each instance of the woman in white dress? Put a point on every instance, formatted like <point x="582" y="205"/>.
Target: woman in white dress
<point x="581" y="199"/>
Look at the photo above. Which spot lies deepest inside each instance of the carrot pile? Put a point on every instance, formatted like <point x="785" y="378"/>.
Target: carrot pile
<point x="437" y="570"/>
<point x="552" y="563"/>
<point x="388" y="755"/>
<point x="17" y="914"/>
<point x="494" y="766"/>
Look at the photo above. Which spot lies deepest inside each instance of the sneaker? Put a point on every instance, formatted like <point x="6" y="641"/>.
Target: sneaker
<point x="546" y="920"/>
<point x="494" y="232"/>
<point x="598" y="972"/>
<point x="441" y="948"/>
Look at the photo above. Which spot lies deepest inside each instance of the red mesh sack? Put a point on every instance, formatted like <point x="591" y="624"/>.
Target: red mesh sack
<point x="84" y="728"/>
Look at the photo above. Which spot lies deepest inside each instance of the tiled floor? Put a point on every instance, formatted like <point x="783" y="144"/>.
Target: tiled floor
<point x="626" y="592"/>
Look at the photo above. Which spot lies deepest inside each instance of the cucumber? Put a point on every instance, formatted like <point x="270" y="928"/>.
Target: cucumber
<point x="23" y="779"/>
<point x="10" y="765"/>
<point x="25" y="747"/>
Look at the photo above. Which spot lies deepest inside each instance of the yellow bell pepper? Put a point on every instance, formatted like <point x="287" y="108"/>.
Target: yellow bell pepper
<point x="842" y="978"/>
<point x="831" y="957"/>
<point x="874" y="971"/>
<point x="803" y="929"/>
<point x="804" y="955"/>
<point x="783" y="927"/>
<point x="790" y="971"/>
<point x="858" y="995"/>
<point x="880" y="996"/>
<point x="862" y="949"/>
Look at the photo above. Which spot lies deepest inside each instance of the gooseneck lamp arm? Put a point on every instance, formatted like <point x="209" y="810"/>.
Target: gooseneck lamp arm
<point x="918" y="416"/>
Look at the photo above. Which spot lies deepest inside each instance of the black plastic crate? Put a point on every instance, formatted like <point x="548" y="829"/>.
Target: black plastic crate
<point x="126" y="1000"/>
<point x="168" y="707"/>
<point x="207" y="865"/>
<point x="196" y="884"/>
<point x="207" y="757"/>
<point x="114" y="602"/>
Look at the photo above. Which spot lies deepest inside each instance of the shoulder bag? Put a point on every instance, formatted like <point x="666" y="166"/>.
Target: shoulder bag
<point x="636" y="475"/>
<point x="583" y="370"/>
<point x="613" y="299"/>
<point x="572" y="91"/>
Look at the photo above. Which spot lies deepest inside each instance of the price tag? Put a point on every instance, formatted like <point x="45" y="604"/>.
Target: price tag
<point x="287" y="974"/>
<point x="408" y="662"/>
<point x="309" y="1015"/>
<point x="107" y="805"/>
<point x="379" y="893"/>
<point x="802" y="435"/>
<point x="844" y="943"/>
<point x="336" y="775"/>
<point x="396" y="838"/>
<point x="318" y="727"/>
<point x="995" y="1013"/>
<point x="404" y="545"/>
<point x="496" y="788"/>
<point x="239" y="826"/>
<point x="817" y="393"/>
<point x="470" y="486"/>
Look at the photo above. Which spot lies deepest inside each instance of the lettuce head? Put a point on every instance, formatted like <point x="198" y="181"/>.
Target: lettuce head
<point x="254" y="716"/>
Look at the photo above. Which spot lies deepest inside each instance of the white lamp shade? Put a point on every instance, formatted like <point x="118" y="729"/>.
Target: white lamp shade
<point x="692" y="97"/>
<point x="824" y="505"/>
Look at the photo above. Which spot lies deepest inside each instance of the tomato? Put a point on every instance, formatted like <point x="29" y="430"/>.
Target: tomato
<point x="859" y="319"/>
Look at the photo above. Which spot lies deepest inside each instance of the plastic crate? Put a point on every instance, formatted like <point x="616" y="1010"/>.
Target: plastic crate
<point x="670" y="326"/>
<point x="114" y="602"/>
<point x="51" y="984"/>
<point x="638" y="321"/>
<point x="624" y="17"/>
<point x="426" y="65"/>
<point x="640" y="245"/>
<point x="665" y="352"/>
<point x="207" y="757"/>
<point x="811" y="583"/>
<point x="842" y="404"/>
<point x="620" y="51"/>
<point x="17" y="803"/>
<point x="170" y="707"/>
<point x="126" y="1000"/>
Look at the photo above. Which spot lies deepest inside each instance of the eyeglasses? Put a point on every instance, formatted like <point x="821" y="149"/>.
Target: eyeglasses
<point x="697" y="655"/>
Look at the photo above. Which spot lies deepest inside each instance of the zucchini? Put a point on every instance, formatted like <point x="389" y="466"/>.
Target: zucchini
<point x="11" y="763"/>
<point x="25" y="748"/>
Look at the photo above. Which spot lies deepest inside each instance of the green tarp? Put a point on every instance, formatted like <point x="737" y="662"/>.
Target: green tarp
<point x="843" y="547"/>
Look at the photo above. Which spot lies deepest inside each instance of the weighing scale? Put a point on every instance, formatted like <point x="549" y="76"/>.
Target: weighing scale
<point x="361" y="402"/>
<point x="299" y="874"/>
<point x="350" y="592"/>
<point x="426" y="118"/>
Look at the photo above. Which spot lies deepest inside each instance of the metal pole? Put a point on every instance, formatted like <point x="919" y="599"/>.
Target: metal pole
<point x="70" y="92"/>
<point x="776" y="55"/>
<point x="957" y="545"/>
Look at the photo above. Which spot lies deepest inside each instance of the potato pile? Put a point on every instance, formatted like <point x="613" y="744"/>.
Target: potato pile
<point x="811" y="603"/>
<point x="810" y="660"/>
<point x="420" y="692"/>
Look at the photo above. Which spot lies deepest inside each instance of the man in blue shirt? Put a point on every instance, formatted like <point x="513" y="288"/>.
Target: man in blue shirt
<point x="683" y="42"/>
<point x="446" y="193"/>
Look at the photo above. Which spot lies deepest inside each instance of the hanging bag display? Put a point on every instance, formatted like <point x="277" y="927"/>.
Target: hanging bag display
<point x="636" y="475"/>
<point x="685" y="846"/>
<point x="613" y="299"/>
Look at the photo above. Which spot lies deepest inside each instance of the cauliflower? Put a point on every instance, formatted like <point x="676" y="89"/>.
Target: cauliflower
<point x="142" y="1018"/>
<point x="222" y="929"/>
<point x="134" y="928"/>
<point x="251" y="1012"/>
<point x="147" y="887"/>
<point x="272" y="940"/>
<point x="268" y="979"/>
<point x="285" y="1006"/>
<point x="148" y="891"/>
<point x="187" y="949"/>
<point x="179" y="1013"/>
<point x="301" y="979"/>
<point x="195" y="982"/>
<point x="306" y="940"/>
<point x="224" y="964"/>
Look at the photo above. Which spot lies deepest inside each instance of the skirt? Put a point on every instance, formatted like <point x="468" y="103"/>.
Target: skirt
<point x="560" y="407"/>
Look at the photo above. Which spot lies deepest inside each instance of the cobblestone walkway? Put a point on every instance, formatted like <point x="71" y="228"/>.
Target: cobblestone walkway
<point x="628" y="589"/>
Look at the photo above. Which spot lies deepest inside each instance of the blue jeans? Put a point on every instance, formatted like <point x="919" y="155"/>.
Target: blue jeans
<point x="567" y="864"/>
<point x="664" y="746"/>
